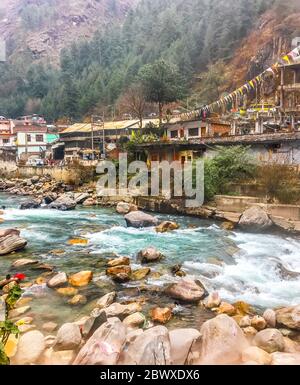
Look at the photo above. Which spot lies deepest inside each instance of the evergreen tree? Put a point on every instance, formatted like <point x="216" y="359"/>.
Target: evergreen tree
<point x="162" y="84"/>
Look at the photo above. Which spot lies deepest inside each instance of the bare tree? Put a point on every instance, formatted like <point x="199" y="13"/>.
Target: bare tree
<point x="133" y="102"/>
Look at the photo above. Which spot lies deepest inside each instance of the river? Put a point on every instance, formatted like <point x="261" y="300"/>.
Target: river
<point x="241" y="266"/>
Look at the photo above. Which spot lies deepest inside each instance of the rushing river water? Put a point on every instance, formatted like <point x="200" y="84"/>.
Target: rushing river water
<point x="240" y="266"/>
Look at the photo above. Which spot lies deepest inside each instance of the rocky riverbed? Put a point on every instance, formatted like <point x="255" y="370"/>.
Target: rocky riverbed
<point x="137" y="286"/>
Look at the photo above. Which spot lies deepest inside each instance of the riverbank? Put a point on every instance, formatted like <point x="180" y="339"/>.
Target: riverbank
<point x="258" y="269"/>
<point x="227" y="209"/>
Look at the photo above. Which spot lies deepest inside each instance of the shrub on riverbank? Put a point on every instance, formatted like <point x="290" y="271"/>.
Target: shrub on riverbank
<point x="231" y="164"/>
<point x="281" y="182"/>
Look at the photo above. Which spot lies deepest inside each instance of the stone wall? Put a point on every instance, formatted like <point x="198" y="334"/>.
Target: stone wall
<point x="60" y="174"/>
<point x="7" y="168"/>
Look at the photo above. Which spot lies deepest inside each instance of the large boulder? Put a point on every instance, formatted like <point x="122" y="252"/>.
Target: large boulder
<point x="166" y="226"/>
<point x="270" y="340"/>
<point x="222" y="341"/>
<point x="89" y="202"/>
<point x="83" y="278"/>
<point x="140" y="274"/>
<point x="68" y="337"/>
<point x="181" y="342"/>
<point x="24" y="263"/>
<point x="255" y="354"/>
<point x="139" y="219"/>
<point x="119" y="273"/>
<point x="121" y="311"/>
<point x="50" y="197"/>
<point x="161" y="315"/>
<point x="118" y="261"/>
<point x="213" y="300"/>
<point x="258" y="322"/>
<point x="6" y="232"/>
<point x="59" y="279"/>
<point x="81" y="197"/>
<point x="135" y="320"/>
<point x="104" y="347"/>
<point x="78" y="299"/>
<point x="106" y="300"/>
<point x="149" y="255"/>
<point x="285" y="358"/>
<point x="125" y="208"/>
<point x="270" y="317"/>
<point x="149" y="348"/>
<point x="30" y="348"/>
<point x="10" y="241"/>
<point x="30" y="204"/>
<point x="63" y="203"/>
<point x="186" y="290"/>
<point x="51" y="357"/>
<point x="93" y="322"/>
<point x="255" y="219"/>
<point x="289" y="317"/>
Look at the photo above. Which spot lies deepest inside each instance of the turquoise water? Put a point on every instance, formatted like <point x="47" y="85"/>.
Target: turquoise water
<point x="240" y="266"/>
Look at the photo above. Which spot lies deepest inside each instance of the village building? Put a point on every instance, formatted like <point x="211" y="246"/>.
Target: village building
<point x="85" y="140"/>
<point x="289" y="94"/>
<point x="266" y="148"/>
<point x="7" y="138"/>
<point x="186" y="130"/>
<point x="32" y="140"/>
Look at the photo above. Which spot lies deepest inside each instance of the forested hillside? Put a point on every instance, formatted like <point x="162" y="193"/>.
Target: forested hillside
<point x="197" y="36"/>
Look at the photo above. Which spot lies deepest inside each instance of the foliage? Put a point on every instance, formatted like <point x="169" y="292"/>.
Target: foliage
<point x="14" y="294"/>
<point x="162" y="83"/>
<point x="231" y="164"/>
<point x="80" y="173"/>
<point x="7" y="327"/>
<point x="281" y="181"/>
<point x="211" y="82"/>
<point x="187" y="34"/>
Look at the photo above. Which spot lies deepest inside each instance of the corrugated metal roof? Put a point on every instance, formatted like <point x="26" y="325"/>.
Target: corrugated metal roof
<point x="87" y="127"/>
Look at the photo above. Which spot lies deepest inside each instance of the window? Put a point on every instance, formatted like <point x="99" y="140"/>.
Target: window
<point x="194" y="131"/>
<point x="5" y="141"/>
<point x="174" y="134"/>
<point x="39" y="138"/>
<point x="28" y="138"/>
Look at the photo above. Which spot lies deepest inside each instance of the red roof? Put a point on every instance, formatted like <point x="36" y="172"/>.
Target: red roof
<point x="30" y="128"/>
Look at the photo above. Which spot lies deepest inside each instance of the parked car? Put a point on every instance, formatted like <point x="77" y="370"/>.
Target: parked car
<point x="35" y="162"/>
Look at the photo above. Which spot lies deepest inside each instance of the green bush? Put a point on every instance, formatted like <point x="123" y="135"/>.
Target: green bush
<point x="231" y="164"/>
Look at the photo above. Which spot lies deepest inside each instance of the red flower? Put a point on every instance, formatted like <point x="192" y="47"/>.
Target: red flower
<point x="20" y="276"/>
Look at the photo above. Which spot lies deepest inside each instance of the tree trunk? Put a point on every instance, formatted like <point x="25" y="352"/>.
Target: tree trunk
<point x="141" y="121"/>
<point x="160" y="107"/>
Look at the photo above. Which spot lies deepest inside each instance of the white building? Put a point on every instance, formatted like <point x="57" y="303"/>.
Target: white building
<point x="30" y="140"/>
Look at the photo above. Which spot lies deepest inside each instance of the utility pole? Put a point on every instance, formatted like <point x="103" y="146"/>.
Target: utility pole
<point x="97" y="124"/>
<point x="92" y="135"/>
<point x="103" y="139"/>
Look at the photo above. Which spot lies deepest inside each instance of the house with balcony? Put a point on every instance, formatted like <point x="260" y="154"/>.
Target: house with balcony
<point x="289" y="94"/>
<point x="192" y="129"/>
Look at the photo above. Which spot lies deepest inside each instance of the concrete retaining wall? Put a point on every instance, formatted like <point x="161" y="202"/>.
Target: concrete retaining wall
<point x="8" y="167"/>
<point x="60" y="174"/>
<point x="236" y="204"/>
<point x="290" y="212"/>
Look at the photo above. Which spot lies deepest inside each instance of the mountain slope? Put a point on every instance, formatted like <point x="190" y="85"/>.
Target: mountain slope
<point x="41" y="28"/>
<point x="221" y="42"/>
